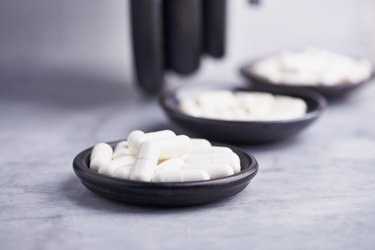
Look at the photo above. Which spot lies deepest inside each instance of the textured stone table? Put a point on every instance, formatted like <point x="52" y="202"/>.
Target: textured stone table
<point x="315" y="191"/>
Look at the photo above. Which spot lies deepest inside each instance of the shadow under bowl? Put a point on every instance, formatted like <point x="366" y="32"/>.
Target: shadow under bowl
<point x="166" y="194"/>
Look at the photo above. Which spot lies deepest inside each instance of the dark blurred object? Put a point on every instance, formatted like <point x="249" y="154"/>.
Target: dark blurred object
<point x="173" y="34"/>
<point x="254" y="2"/>
<point x="214" y="27"/>
<point x="183" y="34"/>
<point x="148" y="49"/>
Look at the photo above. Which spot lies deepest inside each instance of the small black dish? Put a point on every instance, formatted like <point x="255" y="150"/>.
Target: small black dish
<point x="243" y="132"/>
<point x="330" y="92"/>
<point x="169" y="194"/>
<point x="148" y="42"/>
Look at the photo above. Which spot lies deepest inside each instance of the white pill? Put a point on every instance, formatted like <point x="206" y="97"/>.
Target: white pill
<point x="121" y="149"/>
<point x="214" y="170"/>
<point x="216" y="99"/>
<point x="287" y="108"/>
<point x="122" y="172"/>
<point x="190" y="107"/>
<point x="138" y="139"/>
<point x="214" y="158"/>
<point x="100" y="155"/>
<point x="111" y="166"/>
<point x="171" y="147"/>
<point x="170" y="164"/>
<point x="256" y="102"/>
<point x="199" y="145"/>
<point x="181" y="175"/>
<point x="217" y="149"/>
<point x="146" y="162"/>
<point x="133" y="134"/>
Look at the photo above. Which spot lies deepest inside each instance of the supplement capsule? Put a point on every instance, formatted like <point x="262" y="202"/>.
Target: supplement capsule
<point x="217" y="149"/>
<point x="181" y="175"/>
<point x="110" y="167"/>
<point x="145" y="163"/>
<point x="171" y="147"/>
<point x="258" y="103"/>
<point x="214" y="170"/>
<point x="133" y="134"/>
<point x="122" y="172"/>
<point x="138" y="139"/>
<point x="173" y="163"/>
<point x="199" y="145"/>
<point x="100" y="155"/>
<point x="190" y="107"/>
<point x="231" y="159"/>
<point x="121" y="149"/>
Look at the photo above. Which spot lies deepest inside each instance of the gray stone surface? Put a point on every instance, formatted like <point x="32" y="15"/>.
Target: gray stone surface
<point x="315" y="191"/>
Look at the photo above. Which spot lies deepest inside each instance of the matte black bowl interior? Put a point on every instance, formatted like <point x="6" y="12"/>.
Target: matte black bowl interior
<point x="168" y="194"/>
<point x="242" y="132"/>
<point x="330" y="92"/>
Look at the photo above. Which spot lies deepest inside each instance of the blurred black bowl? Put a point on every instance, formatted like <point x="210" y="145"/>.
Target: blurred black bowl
<point x="242" y="132"/>
<point x="330" y="92"/>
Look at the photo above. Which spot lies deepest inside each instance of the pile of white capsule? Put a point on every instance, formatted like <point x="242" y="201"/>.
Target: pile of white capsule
<point x="313" y="67"/>
<point x="243" y="106"/>
<point x="163" y="156"/>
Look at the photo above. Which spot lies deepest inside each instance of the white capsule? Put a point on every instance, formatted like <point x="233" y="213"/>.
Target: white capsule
<point x="100" y="155"/>
<point x="287" y="108"/>
<point x="121" y="149"/>
<point x="109" y="167"/>
<point x="181" y="175"/>
<point x="190" y="106"/>
<point x="133" y="134"/>
<point x="122" y="172"/>
<point x="217" y="149"/>
<point x="215" y="171"/>
<point x="138" y="139"/>
<point x="173" y="163"/>
<point x="216" y="99"/>
<point x="145" y="163"/>
<point x="214" y="158"/>
<point x="258" y="103"/>
<point x="199" y="145"/>
<point x="171" y="147"/>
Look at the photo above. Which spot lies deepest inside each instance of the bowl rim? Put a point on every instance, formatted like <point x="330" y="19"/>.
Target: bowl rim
<point x="83" y="171"/>
<point x="247" y="72"/>
<point x="319" y="99"/>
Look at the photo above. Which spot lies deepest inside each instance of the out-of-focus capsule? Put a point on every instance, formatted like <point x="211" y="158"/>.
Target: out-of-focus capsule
<point x="199" y="145"/>
<point x="121" y="149"/>
<point x="100" y="155"/>
<point x="173" y="163"/>
<point x="218" y="150"/>
<point x="111" y="166"/>
<point x="122" y="172"/>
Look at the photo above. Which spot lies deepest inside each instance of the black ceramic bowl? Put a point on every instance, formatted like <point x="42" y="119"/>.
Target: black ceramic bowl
<point x="330" y="92"/>
<point x="168" y="194"/>
<point x="243" y="132"/>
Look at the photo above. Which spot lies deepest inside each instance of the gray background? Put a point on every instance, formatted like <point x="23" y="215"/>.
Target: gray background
<point x="66" y="83"/>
